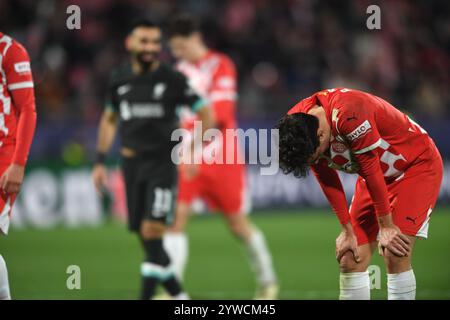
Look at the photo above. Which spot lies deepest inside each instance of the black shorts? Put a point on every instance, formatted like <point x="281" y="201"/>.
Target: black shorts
<point x="150" y="189"/>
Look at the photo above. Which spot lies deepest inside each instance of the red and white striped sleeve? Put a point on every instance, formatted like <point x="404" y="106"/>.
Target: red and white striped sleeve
<point x="19" y="81"/>
<point x="223" y="91"/>
<point x="17" y="67"/>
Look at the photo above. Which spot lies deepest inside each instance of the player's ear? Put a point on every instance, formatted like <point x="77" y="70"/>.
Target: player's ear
<point x="321" y="134"/>
<point x="197" y="36"/>
<point x="127" y="43"/>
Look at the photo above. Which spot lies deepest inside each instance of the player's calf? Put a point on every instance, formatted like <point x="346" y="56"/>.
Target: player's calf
<point x="156" y="267"/>
<point x="240" y="226"/>
<point x="354" y="281"/>
<point x="401" y="281"/>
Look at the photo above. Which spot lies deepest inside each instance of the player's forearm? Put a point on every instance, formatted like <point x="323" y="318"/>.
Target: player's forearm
<point x="334" y="192"/>
<point x="24" y="100"/>
<point x="106" y="133"/>
<point x="206" y="117"/>
<point x="371" y="172"/>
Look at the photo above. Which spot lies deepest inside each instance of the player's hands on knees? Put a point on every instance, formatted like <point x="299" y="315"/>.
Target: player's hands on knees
<point x="100" y="178"/>
<point x="346" y="241"/>
<point x="12" y="179"/>
<point x="392" y="239"/>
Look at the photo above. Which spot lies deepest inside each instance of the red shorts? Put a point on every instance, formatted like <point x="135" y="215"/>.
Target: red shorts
<point x="6" y="204"/>
<point x="412" y="197"/>
<point x="221" y="186"/>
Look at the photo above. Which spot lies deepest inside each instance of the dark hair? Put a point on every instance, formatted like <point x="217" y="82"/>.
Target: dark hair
<point x="183" y="25"/>
<point x="142" y="22"/>
<point x="298" y="142"/>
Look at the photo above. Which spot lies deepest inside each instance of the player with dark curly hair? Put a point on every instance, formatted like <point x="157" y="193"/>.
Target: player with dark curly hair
<point x="298" y="142"/>
<point x="400" y="172"/>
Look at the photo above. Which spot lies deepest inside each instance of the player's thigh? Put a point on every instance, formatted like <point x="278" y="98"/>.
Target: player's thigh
<point x="6" y="205"/>
<point x="188" y="189"/>
<point x="6" y="200"/>
<point x="160" y="196"/>
<point x="362" y="215"/>
<point x="135" y="193"/>
<point x="158" y="209"/>
<point x="348" y="263"/>
<point x="227" y="190"/>
<point x="414" y="196"/>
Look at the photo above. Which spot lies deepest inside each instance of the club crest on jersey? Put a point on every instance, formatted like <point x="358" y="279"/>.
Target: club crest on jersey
<point x="338" y="147"/>
<point x="158" y="90"/>
<point x="360" y="131"/>
<point x="123" y="89"/>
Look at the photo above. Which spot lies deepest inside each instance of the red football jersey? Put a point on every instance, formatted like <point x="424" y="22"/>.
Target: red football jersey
<point x="361" y="122"/>
<point x="17" y="115"/>
<point x="17" y="104"/>
<point x="367" y="135"/>
<point x="214" y="78"/>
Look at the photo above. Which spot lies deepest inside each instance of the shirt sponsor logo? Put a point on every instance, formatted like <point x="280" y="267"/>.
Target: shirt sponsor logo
<point x="360" y="131"/>
<point x="22" y="67"/>
<point x="141" y="110"/>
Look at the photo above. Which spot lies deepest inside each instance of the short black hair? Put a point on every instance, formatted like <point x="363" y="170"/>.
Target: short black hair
<point x="183" y="25"/>
<point x="298" y="142"/>
<point x="142" y="22"/>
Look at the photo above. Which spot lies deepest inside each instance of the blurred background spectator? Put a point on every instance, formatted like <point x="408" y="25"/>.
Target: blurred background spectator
<point x="284" y="51"/>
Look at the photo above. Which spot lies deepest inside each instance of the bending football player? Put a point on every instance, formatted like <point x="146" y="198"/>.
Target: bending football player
<point x="400" y="172"/>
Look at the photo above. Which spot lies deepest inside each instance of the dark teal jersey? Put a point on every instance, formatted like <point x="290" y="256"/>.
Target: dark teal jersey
<point x="147" y="105"/>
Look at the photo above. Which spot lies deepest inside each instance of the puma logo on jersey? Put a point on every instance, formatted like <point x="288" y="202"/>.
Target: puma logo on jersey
<point x="361" y="130"/>
<point x="158" y="90"/>
<point x="352" y="117"/>
<point x="411" y="219"/>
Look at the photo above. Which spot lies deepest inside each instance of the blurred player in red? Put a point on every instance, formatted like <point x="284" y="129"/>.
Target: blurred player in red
<point x="400" y="172"/>
<point x="17" y="124"/>
<point x="221" y="186"/>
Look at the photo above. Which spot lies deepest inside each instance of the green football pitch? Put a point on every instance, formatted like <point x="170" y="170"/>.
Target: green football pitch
<point x="302" y="246"/>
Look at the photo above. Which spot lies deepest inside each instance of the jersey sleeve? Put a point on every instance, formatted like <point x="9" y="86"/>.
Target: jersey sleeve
<point x="111" y="98"/>
<point x="373" y="175"/>
<point x="356" y="123"/>
<point x="187" y="95"/>
<point x="19" y="81"/>
<point x="17" y="68"/>
<point x="223" y="91"/>
<point x="331" y="186"/>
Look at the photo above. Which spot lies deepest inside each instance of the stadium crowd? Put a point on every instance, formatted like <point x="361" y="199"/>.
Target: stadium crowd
<point x="284" y="50"/>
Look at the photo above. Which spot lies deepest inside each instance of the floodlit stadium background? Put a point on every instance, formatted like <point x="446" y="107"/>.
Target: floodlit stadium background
<point x="284" y="51"/>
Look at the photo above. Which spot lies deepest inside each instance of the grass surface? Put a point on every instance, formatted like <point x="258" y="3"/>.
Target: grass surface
<point x="302" y="246"/>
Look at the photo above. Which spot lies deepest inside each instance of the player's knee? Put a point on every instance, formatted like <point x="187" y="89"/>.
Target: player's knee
<point x="395" y="264"/>
<point x="181" y="217"/>
<point x="348" y="264"/>
<point x="237" y="228"/>
<point x="152" y="230"/>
